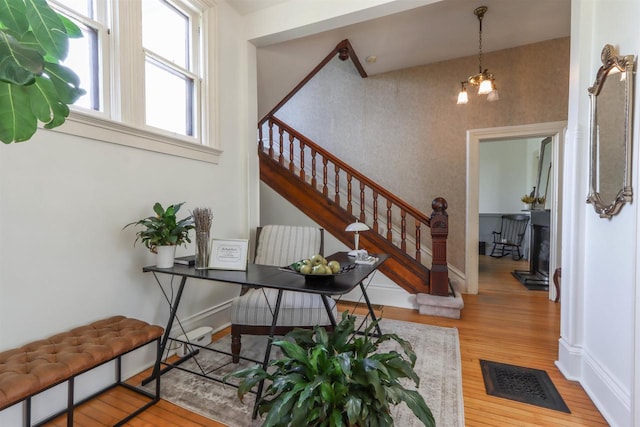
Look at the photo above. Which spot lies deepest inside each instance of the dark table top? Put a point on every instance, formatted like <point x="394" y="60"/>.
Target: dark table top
<point x="277" y="278"/>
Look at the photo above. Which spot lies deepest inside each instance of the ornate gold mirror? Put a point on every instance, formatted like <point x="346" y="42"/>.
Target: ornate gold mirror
<point x="544" y="175"/>
<point x="611" y="99"/>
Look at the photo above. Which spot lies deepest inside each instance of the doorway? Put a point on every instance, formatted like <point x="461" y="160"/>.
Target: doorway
<point x="474" y="138"/>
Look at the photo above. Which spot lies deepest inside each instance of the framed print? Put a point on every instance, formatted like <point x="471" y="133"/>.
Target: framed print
<point x="229" y="254"/>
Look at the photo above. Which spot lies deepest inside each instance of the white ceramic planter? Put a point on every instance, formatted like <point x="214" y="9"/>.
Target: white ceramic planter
<point x="165" y="256"/>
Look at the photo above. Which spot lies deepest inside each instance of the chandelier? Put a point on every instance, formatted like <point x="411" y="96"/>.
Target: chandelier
<point x="484" y="80"/>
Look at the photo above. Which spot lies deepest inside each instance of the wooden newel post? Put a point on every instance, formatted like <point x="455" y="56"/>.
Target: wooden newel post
<point x="439" y="282"/>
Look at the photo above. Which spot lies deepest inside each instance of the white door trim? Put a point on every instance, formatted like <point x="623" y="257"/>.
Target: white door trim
<point x="474" y="137"/>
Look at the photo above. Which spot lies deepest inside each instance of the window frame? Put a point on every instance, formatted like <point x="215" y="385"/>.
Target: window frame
<point x="123" y="119"/>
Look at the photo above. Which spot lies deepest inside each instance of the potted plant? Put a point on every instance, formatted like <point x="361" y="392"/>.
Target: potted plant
<point x="163" y="232"/>
<point x="335" y="379"/>
<point x="528" y="201"/>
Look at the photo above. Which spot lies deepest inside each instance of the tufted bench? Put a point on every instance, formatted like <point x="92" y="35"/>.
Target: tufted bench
<point x="40" y="365"/>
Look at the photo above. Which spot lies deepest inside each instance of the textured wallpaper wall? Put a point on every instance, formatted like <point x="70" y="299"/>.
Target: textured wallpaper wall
<point x="404" y="129"/>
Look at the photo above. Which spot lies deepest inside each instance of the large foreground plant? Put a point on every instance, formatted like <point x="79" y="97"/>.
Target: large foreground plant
<point x="34" y="86"/>
<point x="336" y="379"/>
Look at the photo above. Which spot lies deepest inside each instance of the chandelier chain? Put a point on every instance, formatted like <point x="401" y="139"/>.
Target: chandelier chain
<point x="480" y="45"/>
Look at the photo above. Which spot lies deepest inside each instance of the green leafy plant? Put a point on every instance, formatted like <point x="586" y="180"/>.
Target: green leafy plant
<point x="34" y="86"/>
<point x="528" y="199"/>
<point x="163" y="229"/>
<point x="335" y="379"/>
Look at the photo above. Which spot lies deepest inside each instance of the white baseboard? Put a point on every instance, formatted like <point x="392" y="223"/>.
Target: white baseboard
<point x="609" y="396"/>
<point x="217" y="317"/>
<point x="611" y="399"/>
<point x="569" y="360"/>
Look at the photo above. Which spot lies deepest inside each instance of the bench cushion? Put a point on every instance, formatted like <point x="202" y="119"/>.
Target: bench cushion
<point x="39" y="365"/>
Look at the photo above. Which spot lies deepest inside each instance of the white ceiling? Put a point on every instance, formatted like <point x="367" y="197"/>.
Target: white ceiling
<point x="443" y="30"/>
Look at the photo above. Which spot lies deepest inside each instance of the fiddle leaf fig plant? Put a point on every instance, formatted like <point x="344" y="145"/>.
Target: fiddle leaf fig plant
<point x="336" y="379"/>
<point x="34" y="86"/>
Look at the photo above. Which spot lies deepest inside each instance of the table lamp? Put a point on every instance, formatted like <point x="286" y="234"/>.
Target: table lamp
<point x="356" y="227"/>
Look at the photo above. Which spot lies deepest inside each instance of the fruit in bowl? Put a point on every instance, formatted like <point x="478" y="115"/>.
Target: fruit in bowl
<point x="316" y="265"/>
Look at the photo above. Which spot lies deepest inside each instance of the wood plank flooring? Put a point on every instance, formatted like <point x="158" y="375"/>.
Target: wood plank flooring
<point x="505" y="323"/>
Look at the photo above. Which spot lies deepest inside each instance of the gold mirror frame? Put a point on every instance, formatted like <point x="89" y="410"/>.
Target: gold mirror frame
<point x="610" y="135"/>
<point x="544" y="174"/>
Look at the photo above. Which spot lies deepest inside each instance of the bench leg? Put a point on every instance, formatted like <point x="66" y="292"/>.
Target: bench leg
<point x="70" y="404"/>
<point x="27" y="412"/>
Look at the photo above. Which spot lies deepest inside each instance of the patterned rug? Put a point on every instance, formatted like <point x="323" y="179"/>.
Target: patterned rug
<point x="438" y="367"/>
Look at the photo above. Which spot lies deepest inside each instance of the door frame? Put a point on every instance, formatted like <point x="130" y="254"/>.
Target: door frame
<point x="556" y="130"/>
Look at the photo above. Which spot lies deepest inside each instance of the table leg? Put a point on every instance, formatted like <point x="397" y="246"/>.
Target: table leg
<point x="267" y="353"/>
<point x="167" y="331"/>
<point x="371" y="313"/>
<point x="327" y="306"/>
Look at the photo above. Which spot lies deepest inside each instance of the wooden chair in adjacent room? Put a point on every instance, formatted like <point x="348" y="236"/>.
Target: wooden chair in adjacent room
<point x="509" y="238"/>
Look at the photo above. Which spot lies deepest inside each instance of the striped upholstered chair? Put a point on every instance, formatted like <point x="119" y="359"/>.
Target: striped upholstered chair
<point x="251" y="312"/>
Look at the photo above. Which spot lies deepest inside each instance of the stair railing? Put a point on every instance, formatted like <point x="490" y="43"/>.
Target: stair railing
<point x="338" y="181"/>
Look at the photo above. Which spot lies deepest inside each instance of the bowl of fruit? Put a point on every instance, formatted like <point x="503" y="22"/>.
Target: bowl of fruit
<point x="318" y="267"/>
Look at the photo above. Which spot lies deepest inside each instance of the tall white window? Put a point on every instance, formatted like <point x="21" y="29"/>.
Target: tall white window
<point x="170" y="40"/>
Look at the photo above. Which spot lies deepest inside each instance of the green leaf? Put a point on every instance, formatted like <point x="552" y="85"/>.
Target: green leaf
<point x="293" y="350"/>
<point x="336" y="418"/>
<point x="12" y="15"/>
<point x="45" y="103"/>
<point x="281" y="409"/>
<point x="72" y="30"/>
<point x="353" y="405"/>
<point x="17" y="122"/>
<point x="19" y="64"/>
<point x="326" y="392"/>
<point x="66" y="82"/>
<point x="415" y="402"/>
<point x="48" y="28"/>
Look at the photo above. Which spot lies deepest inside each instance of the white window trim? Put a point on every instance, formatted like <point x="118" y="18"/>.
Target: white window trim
<point x="95" y="125"/>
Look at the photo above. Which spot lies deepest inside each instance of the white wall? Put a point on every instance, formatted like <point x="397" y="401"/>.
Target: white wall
<point x="64" y="258"/>
<point x="600" y="328"/>
<point x="508" y="171"/>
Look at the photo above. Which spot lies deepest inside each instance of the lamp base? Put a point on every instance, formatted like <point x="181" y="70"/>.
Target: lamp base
<point x="354" y="253"/>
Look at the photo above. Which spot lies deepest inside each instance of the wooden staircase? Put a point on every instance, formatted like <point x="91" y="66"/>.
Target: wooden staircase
<point x="284" y="170"/>
<point x="322" y="186"/>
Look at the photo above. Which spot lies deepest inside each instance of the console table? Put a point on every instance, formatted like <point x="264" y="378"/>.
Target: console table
<point x="265" y="276"/>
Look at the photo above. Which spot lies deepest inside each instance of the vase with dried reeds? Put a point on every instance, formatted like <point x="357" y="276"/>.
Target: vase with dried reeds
<point x="202" y="218"/>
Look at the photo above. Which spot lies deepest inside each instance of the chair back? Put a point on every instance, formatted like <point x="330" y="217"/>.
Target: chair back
<point x="282" y="245"/>
<point x="513" y="229"/>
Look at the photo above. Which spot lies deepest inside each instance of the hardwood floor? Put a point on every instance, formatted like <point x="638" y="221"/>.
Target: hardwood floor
<point x="504" y="323"/>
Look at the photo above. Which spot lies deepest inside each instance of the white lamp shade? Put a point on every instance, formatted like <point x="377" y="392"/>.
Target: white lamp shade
<point x="463" y="98"/>
<point x="357" y="226"/>
<point x="493" y="95"/>
<point x="485" y="87"/>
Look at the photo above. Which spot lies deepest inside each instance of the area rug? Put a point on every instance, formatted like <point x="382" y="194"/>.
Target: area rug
<point x="438" y="366"/>
<point x="526" y="385"/>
